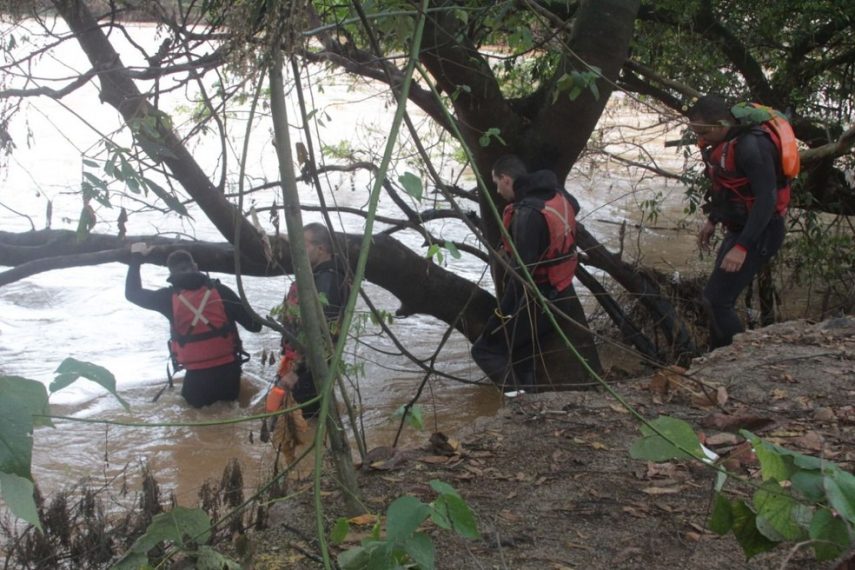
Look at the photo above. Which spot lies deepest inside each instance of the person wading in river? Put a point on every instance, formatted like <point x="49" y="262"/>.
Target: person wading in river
<point x="333" y="286"/>
<point x="749" y="198"/>
<point x="202" y="313"/>
<point x="541" y="219"/>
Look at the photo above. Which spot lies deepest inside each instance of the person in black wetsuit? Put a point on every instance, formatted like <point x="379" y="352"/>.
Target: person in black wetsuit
<point x="541" y="219"/>
<point x="333" y="286"/>
<point x="748" y="198"/>
<point x="202" y="313"/>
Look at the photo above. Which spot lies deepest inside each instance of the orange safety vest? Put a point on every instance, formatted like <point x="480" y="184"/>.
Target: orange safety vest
<point x="203" y="336"/>
<point x="558" y="263"/>
<point x="731" y="197"/>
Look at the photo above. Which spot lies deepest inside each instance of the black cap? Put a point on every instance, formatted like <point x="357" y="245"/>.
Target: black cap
<point x="180" y="261"/>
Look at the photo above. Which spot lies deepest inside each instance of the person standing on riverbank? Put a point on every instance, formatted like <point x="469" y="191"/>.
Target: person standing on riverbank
<point x="333" y="286"/>
<point x="749" y="198"/>
<point x="541" y="220"/>
<point x="202" y="313"/>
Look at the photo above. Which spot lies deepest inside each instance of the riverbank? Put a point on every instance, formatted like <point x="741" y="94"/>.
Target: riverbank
<point x="551" y="483"/>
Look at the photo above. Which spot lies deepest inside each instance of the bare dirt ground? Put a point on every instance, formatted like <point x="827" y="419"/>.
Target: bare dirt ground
<point x="552" y="485"/>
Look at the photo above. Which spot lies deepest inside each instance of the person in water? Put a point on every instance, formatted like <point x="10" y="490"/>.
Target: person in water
<point x="202" y="313"/>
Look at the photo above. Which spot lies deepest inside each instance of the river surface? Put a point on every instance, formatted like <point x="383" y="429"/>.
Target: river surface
<point x="82" y="312"/>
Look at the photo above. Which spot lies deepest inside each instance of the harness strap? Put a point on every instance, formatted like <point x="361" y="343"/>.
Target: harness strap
<point x="197" y="311"/>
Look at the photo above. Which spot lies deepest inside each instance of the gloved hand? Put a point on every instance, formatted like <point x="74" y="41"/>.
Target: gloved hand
<point x="139" y="250"/>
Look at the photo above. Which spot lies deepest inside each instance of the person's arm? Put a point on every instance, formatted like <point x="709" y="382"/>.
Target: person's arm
<point x="755" y="158"/>
<point x="160" y="300"/>
<point x="235" y="309"/>
<point x="531" y="238"/>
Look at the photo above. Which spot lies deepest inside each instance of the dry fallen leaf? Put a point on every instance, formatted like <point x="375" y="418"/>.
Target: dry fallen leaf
<point x="434" y="459"/>
<point x="363" y="520"/>
<point x="720" y="439"/>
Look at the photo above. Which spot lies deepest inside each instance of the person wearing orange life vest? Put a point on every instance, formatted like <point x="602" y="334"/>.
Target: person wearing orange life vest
<point x="333" y="285"/>
<point x="541" y="219"/>
<point x="749" y="196"/>
<point x="202" y="313"/>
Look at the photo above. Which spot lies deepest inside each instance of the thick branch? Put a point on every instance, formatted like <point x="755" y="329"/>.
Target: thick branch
<point x="119" y="90"/>
<point x="441" y="294"/>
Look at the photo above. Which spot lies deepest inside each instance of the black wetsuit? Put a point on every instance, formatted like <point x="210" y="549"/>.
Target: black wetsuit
<point x="507" y="350"/>
<point x="761" y="234"/>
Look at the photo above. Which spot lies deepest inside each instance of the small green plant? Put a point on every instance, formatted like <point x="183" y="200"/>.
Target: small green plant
<point x="23" y="406"/>
<point x="435" y="251"/>
<point x="404" y="546"/>
<point x="801" y="498"/>
<point x="575" y="82"/>
<point x="185" y="529"/>
<point x="414" y="416"/>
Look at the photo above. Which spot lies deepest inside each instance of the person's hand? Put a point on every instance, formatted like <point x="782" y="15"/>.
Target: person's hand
<point x="706" y="232"/>
<point x="140" y="248"/>
<point x="289" y="380"/>
<point x="733" y="260"/>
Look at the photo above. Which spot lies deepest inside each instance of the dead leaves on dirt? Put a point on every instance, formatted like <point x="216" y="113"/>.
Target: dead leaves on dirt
<point x="672" y="382"/>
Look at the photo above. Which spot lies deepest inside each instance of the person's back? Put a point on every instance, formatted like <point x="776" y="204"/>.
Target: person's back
<point x="203" y="337"/>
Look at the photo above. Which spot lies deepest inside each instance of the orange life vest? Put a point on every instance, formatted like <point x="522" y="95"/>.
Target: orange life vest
<point x="731" y="197"/>
<point x="558" y="263"/>
<point x="203" y="336"/>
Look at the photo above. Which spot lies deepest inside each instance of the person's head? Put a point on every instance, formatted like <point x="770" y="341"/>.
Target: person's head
<point x="710" y="118"/>
<point x="319" y="246"/>
<point x="505" y="170"/>
<point x="180" y="261"/>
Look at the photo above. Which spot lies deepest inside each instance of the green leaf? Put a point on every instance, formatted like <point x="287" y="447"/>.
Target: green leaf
<point x="209" y="559"/>
<point x="16" y="437"/>
<point x="840" y="490"/>
<point x="415" y="416"/>
<point x="443" y="488"/>
<point x="789" y="518"/>
<point x="71" y="369"/>
<point x="94" y="180"/>
<point x="412" y="184"/>
<point x="339" y="531"/>
<point x="452" y="249"/>
<point x="420" y="548"/>
<point x="404" y="516"/>
<point x="489" y="134"/>
<point x="775" y="463"/>
<point x="17" y="492"/>
<point x="677" y="434"/>
<point x="434" y="252"/>
<point x="721" y="520"/>
<point x="172" y="526"/>
<point x="809" y="484"/>
<point x="831" y="535"/>
<point x="353" y="559"/>
<point x="30" y="394"/>
<point x="750" y="539"/>
<point x="168" y="198"/>
<point x="452" y="512"/>
<point x="90" y="163"/>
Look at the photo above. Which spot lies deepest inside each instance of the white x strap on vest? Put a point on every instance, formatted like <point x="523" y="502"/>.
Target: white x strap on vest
<point x="197" y="312"/>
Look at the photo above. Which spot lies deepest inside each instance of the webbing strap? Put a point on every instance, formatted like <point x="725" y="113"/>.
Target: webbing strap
<point x="197" y="312"/>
